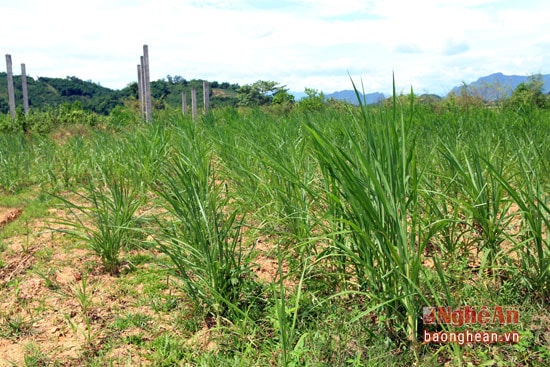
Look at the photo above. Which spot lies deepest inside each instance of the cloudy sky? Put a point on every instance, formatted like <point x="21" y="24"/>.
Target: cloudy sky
<point x="431" y="45"/>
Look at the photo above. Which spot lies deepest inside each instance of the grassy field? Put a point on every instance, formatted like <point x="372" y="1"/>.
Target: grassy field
<point x="257" y="239"/>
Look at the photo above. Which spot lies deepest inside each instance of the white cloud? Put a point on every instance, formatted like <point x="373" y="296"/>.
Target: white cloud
<point x="431" y="44"/>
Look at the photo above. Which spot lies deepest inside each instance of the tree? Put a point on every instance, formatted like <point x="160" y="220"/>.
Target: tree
<point x="468" y="97"/>
<point x="258" y="94"/>
<point x="283" y="97"/>
<point x="529" y="94"/>
<point x="179" y="80"/>
<point x="132" y="89"/>
<point x="314" y="100"/>
<point x="160" y="89"/>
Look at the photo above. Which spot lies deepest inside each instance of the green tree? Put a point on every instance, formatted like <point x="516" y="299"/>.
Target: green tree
<point x="283" y="97"/>
<point x="259" y="93"/>
<point x="529" y="95"/>
<point x="314" y="100"/>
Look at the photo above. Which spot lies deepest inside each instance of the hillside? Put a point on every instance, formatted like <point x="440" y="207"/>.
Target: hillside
<point x="351" y="97"/>
<point x="45" y="92"/>
<point x="169" y="91"/>
<point x="498" y="85"/>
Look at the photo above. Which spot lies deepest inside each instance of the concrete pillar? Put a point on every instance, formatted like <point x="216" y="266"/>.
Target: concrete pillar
<point x="184" y="103"/>
<point x="147" y="84"/>
<point x="11" y="91"/>
<point x="24" y="89"/>
<point x="206" y="96"/>
<point x="194" y="103"/>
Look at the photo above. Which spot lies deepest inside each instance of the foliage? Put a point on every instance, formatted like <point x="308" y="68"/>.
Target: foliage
<point x="488" y="92"/>
<point x="105" y="216"/>
<point x="4" y="106"/>
<point x="313" y="236"/>
<point x="282" y="97"/>
<point x="204" y="242"/>
<point x="50" y="118"/>
<point x="167" y="93"/>
<point x="314" y="101"/>
<point x="45" y="93"/>
<point x="467" y="97"/>
<point x="376" y="180"/>
<point x="529" y="95"/>
<point x="260" y="93"/>
<point x="51" y="92"/>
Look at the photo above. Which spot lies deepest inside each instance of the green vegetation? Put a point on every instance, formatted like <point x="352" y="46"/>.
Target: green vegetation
<point x="51" y="93"/>
<point x="308" y="235"/>
<point x="263" y="93"/>
<point x="529" y="95"/>
<point x="105" y="215"/>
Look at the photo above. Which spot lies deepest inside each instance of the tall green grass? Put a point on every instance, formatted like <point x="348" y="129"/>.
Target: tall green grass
<point x="17" y="153"/>
<point x="387" y="208"/>
<point x="376" y="181"/>
<point x="480" y="197"/>
<point x="105" y="215"/>
<point x="203" y="239"/>
<point x="532" y="245"/>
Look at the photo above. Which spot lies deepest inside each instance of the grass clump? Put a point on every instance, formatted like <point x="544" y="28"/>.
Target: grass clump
<point x="376" y="188"/>
<point x="105" y="216"/>
<point x="204" y="240"/>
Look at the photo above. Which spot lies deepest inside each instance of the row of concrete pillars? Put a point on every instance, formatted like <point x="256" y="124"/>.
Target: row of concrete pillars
<point x="144" y="90"/>
<point x="206" y="100"/>
<point x="11" y="90"/>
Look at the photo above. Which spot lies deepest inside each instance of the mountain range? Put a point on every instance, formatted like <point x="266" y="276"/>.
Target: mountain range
<point x="498" y="85"/>
<point x="490" y="87"/>
<point x="351" y="97"/>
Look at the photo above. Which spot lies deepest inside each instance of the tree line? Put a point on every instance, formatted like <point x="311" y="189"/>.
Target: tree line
<point x="45" y="92"/>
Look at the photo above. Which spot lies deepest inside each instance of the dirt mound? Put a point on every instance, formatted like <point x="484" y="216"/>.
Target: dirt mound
<point x="8" y="215"/>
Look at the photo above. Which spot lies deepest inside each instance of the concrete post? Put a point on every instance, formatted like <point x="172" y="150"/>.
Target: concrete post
<point x="206" y="96"/>
<point x="140" y="89"/>
<point x="194" y="103"/>
<point x="147" y="84"/>
<point x="184" y="103"/>
<point x="24" y="89"/>
<point x="11" y="91"/>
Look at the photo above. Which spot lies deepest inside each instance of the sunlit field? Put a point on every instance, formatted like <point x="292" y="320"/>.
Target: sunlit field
<point x="254" y="237"/>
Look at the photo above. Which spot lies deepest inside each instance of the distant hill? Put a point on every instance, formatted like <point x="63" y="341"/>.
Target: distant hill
<point x="351" y="97"/>
<point x="45" y="92"/>
<point x="498" y="85"/>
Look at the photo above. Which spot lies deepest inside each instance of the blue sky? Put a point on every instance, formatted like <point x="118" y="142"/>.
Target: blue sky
<point x="431" y="45"/>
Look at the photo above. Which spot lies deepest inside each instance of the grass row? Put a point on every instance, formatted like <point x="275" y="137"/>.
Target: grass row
<point x="370" y="213"/>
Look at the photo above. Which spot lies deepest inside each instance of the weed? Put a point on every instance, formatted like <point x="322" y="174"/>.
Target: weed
<point x="14" y="326"/>
<point x="35" y="357"/>
<point x="204" y="242"/>
<point x="48" y="277"/>
<point x="377" y="183"/>
<point x="135" y="320"/>
<point x="82" y="293"/>
<point x="111" y="205"/>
